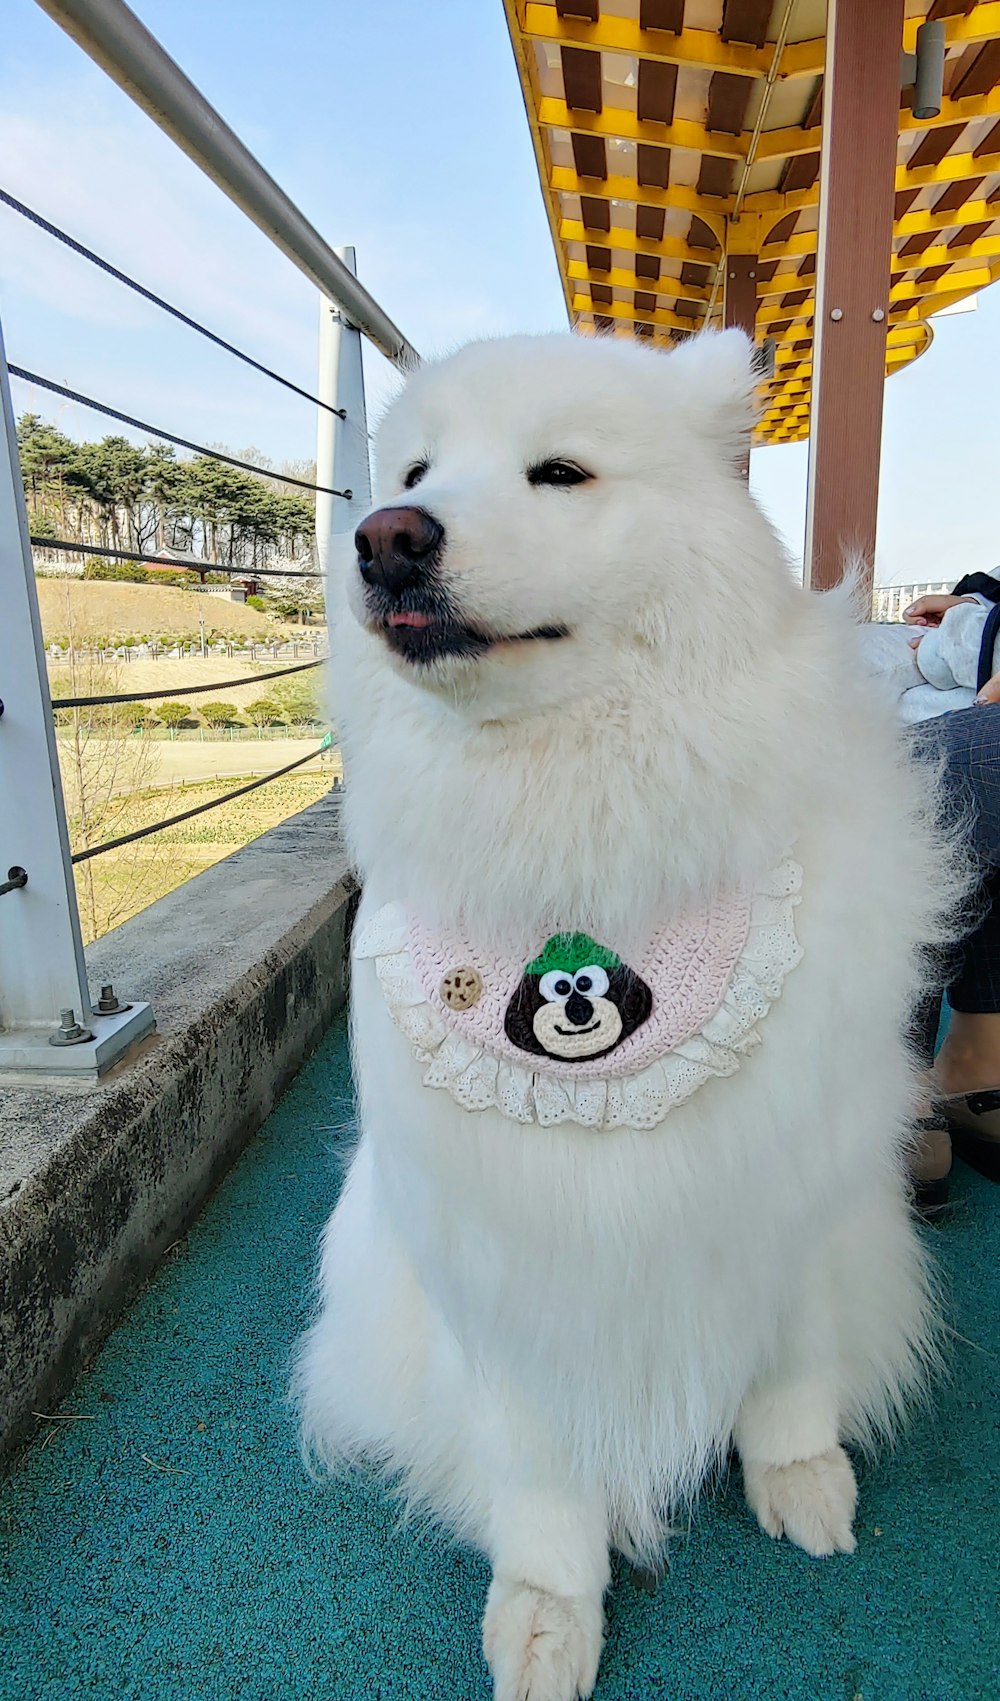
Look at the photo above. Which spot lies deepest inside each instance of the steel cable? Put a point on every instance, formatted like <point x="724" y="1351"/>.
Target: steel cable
<point x="169" y="437"/>
<point x="186" y="814"/>
<point x="158" y="301"/>
<point x="181" y="566"/>
<point x="182" y="690"/>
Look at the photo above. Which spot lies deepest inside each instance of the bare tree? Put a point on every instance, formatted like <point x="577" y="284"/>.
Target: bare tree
<point x="107" y="759"/>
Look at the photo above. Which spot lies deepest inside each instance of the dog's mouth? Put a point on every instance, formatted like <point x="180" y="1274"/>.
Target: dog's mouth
<point x="422" y="636"/>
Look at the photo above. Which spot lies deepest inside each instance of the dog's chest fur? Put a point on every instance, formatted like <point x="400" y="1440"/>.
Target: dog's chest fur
<point x="633" y="1283"/>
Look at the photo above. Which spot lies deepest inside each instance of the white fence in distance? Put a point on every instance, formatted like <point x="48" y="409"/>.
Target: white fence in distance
<point x="889" y="601"/>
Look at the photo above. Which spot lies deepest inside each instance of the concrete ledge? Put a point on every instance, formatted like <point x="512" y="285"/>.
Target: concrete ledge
<point x="245" y="966"/>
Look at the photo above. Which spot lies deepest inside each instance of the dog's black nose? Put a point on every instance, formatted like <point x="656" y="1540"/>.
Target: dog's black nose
<point x="579" y="1010"/>
<point x="394" y="546"/>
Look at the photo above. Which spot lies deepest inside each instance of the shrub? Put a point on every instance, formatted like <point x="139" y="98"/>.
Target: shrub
<point x="125" y="572"/>
<point x="172" y="715"/>
<point x="258" y="603"/>
<point x="118" y="717"/>
<point x="263" y="711"/>
<point x="298" y="701"/>
<point x="219" y="714"/>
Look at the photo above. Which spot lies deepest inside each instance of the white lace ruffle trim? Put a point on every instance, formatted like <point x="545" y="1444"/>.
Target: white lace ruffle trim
<point x="478" y="1080"/>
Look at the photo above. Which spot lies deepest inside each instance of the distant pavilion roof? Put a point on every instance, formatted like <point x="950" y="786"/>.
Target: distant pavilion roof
<point x="666" y="139"/>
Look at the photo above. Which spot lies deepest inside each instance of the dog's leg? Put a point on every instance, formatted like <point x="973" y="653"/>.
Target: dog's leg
<point x="798" y="1479"/>
<point x="544" y="1622"/>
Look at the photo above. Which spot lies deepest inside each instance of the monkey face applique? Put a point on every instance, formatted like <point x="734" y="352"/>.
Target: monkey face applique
<point x="575" y="1035"/>
<point x="576" y="1000"/>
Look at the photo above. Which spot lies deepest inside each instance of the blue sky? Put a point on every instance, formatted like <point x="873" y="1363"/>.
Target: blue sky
<point x="398" y="128"/>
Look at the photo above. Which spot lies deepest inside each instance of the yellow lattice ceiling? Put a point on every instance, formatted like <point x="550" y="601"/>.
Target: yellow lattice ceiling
<point x="672" y="133"/>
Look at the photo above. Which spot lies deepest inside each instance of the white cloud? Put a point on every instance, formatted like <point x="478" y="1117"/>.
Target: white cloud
<point x="110" y="179"/>
<point x="83" y="157"/>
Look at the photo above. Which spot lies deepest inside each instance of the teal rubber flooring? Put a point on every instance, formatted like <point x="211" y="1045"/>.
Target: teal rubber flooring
<point x="163" y="1541"/>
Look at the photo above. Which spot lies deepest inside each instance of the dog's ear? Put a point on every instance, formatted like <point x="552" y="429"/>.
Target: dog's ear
<point x="720" y="373"/>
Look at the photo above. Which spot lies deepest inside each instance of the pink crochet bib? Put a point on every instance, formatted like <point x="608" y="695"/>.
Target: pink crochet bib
<point x="566" y="1030"/>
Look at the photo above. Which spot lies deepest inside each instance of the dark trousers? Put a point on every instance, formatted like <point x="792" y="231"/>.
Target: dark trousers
<point x="968" y="746"/>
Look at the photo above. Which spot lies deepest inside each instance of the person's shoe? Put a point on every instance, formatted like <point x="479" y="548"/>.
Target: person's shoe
<point x="930" y="1164"/>
<point x="974" y="1121"/>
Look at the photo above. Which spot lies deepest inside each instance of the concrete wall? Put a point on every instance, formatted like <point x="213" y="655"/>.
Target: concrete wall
<point x="245" y="966"/>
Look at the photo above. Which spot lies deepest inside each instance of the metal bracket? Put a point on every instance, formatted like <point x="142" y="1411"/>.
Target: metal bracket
<point x="89" y="1053"/>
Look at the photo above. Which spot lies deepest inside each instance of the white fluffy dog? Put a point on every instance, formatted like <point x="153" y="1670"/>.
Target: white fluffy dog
<point x="643" y="884"/>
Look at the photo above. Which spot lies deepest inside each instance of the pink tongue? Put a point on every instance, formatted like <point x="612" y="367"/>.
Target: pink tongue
<point x="417" y="621"/>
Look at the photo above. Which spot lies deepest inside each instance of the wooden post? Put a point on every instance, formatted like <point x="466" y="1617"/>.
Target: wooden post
<point x="740" y="298"/>
<point x="739" y="305"/>
<point x="857" y="182"/>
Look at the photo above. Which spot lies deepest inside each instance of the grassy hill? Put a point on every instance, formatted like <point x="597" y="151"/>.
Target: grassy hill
<point x="96" y="608"/>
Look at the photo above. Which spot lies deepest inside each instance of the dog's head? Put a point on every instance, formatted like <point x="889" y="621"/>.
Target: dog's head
<point x="547" y="505"/>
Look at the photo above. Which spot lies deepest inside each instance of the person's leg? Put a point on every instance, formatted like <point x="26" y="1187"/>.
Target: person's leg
<point x="930" y="1152"/>
<point x="966" y="1071"/>
<point x="969" y="1058"/>
<point x="968" y="745"/>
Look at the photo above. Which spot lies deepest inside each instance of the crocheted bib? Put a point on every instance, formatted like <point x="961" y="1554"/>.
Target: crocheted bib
<point x="567" y="1031"/>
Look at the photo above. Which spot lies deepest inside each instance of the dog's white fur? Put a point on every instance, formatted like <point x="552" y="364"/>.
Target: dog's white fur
<point x="549" y="1334"/>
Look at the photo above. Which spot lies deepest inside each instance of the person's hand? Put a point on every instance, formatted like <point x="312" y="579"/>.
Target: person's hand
<point x="991" y="691"/>
<point x="930" y="611"/>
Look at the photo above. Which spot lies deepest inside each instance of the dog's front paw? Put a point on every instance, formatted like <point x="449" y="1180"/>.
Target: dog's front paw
<point x="540" y="1646"/>
<point x="811" y="1502"/>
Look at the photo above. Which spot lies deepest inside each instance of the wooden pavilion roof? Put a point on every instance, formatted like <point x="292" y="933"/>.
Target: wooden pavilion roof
<point x="670" y="133"/>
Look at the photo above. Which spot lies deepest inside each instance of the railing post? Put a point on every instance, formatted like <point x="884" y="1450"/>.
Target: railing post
<point x="46" y="1018"/>
<point x="342" y="461"/>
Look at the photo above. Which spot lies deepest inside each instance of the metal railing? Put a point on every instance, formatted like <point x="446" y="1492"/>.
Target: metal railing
<point x="48" y="1020"/>
<point x="889" y="601"/>
<point x="123" y="47"/>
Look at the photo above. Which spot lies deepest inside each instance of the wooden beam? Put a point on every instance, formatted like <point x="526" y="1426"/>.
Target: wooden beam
<point x="581" y="74"/>
<point x="622" y="310"/>
<point x="706" y="49"/>
<point x="667" y="248"/>
<point x="745" y="20"/>
<point x="563" y="180"/>
<point x="703" y="49"/>
<point x="739" y="308"/>
<point x="616" y="277"/>
<point x="953" y="258"/>
<point x="953" y="171"/>
<point x="620" y="123"/>
<point x="860" y="129"/>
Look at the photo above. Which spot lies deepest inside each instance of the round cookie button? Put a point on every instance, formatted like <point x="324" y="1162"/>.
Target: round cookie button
<point x="462" y="988"/>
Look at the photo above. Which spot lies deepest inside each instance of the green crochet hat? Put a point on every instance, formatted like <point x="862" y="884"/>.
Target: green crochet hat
<point x="571" y="952"/>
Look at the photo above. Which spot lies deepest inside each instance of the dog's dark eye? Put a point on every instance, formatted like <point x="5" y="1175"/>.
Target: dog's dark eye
<point x="561" y="473"/>
<point x="414" y="475"/>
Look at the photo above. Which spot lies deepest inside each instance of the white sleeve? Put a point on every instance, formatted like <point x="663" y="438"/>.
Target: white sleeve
<point x="948" y="655"/>
<point x="888" y="655"/>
